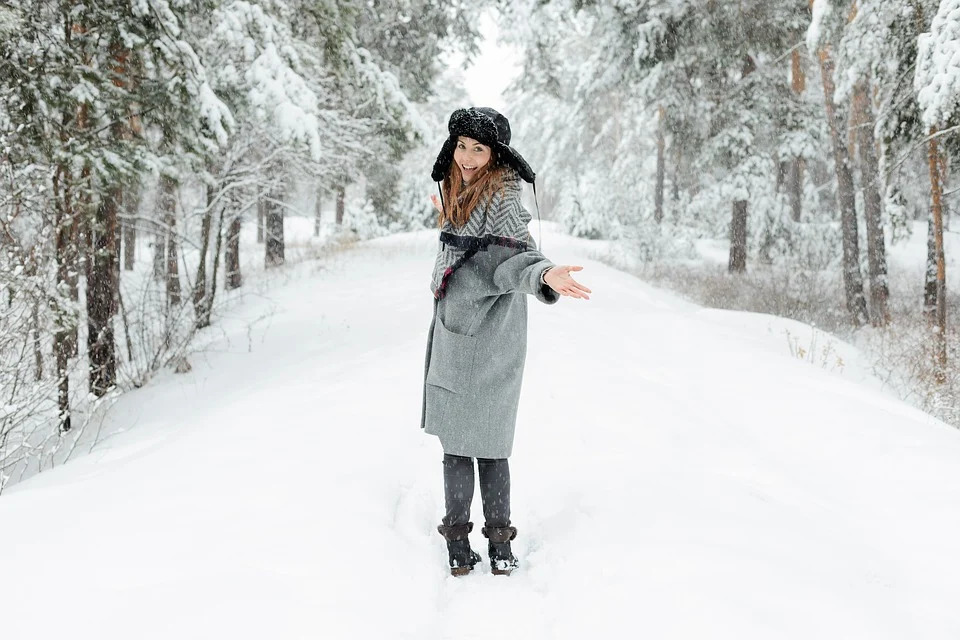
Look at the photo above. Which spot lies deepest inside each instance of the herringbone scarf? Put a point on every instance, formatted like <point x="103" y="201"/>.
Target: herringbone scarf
<point x="501" y="220"/>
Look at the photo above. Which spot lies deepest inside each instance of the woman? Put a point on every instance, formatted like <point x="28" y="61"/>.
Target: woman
<point x="477" y="343"/>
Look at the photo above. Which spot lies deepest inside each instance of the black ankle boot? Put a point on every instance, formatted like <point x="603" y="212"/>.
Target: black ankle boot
<point x="462" y="557"/>
<point x="502" y="560"/>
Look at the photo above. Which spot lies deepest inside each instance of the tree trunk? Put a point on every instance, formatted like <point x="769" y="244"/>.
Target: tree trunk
<point x="133" y="127"/>
<point x="169" y="217"/>
<point x="120" y="132"/>
<point x="795" y="188"/>
<point x="273" y="230"/>
<point x="738" y="238"/>
<point x="930" y="275"/>
<point x="83" y="214"/>
<point x="738" y="219"/>
<point x="201" y="301"/>
<point x="940" y="317"/>
<point x="661" y="169"/>
<point x="65" y="337"/>
<point x="783" y="173"/>
<point x="101" y="295"/>
<point x="852" y="277"/>
<point x="341" y="197"/>
<point x="159" y="251"/>
<point x="61" y="356"/>
<point x="944" y="188"/>
<point x="316" y="218"/>
<point x="216" y="258"/>
<point x="129" y="224"/>
<point x="261" y="216"/>
<point x="678" y="161"/>
<point x="117" y="250"/>
<point x="129" y="245"/>
<point x="232" y="255"/>
<point x="873" y="206"/>
<point x="37" y="342"/>
<point x="799" y="85"/>
<point x="159" y="234"/>
<point x="66" y="254"/>
<point x="798" y="79"/>
<point x="795" y="177"/>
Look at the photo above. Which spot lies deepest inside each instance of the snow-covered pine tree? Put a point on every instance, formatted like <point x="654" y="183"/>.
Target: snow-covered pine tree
<point x="89" y="74"/>
<point x="710" y="77"/>
<point x="399" y="45"/>
<point x="77" y="82"/>
<point x="937" y="83"/>
<point x="824" y="24"/>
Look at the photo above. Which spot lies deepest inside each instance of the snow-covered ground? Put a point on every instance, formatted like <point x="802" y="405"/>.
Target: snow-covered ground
<point x="678" y="473"/>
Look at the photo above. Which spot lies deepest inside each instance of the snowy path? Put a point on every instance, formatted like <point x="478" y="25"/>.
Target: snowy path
<point x="677" y="474"/>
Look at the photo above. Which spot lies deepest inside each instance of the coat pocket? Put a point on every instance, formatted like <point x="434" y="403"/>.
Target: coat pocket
<point x="452" y="358"/>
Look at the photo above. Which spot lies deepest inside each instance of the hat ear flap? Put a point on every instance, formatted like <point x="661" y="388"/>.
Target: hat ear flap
<point x="442" y="166"/>
<point x="508" y="155"/>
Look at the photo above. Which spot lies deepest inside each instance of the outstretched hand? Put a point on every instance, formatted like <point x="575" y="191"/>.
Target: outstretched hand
<point x="559" y="279"/>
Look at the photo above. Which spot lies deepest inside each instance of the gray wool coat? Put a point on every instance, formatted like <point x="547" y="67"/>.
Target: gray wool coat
<point x="476" y="349"/>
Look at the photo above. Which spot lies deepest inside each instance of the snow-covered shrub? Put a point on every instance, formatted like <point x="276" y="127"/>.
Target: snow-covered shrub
<point x="897" y="215"/>
<point x="580" y="221"/>
<point x="903" y="357"/>
<point x="662" y="243"/>
<point x="360" y="219"/>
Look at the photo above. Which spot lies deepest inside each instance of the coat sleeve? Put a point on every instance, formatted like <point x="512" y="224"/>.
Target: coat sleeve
<point x="520" y="273"/>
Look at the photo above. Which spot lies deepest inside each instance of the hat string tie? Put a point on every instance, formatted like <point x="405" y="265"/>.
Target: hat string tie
<point x="539" y="224"/>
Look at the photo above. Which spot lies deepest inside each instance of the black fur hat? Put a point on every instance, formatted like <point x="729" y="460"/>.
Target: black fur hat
<point x="487" y="126"/>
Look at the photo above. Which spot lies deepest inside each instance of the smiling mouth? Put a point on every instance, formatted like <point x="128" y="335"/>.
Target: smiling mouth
<point x="468" y="168"/>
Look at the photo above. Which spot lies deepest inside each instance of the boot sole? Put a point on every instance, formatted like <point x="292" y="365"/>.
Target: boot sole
<point x="501" y="572"/>
<point x="460" y="571"/>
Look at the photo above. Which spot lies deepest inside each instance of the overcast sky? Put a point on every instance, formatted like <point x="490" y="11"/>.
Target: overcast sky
<point x="493" y="69"/>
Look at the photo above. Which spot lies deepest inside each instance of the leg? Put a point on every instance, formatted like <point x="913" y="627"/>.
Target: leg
<point x="495" y="491"/>
<point x="457" y="489"/>
<point x="456" y="526"/>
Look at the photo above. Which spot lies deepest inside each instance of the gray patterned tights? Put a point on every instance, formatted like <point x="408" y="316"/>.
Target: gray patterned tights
<point x="458" y="484"/>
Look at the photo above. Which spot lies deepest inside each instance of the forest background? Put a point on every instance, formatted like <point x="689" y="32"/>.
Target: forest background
<point x="755" y="155"/>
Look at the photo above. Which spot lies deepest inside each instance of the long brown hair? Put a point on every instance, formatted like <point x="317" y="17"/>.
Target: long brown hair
<point x="460" y="200"/>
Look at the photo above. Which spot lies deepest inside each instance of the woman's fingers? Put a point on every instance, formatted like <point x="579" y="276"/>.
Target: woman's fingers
<point x="566" y="285"/>
<point x="576" y="291"/>
<point x="573" y="293"/>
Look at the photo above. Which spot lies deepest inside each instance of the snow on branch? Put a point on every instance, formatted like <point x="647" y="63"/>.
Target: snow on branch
<point x="283" y="98"/>
<point x="273" y="78"/>
<point x="825" y="21"/>
<point x="387" y="91"/>
<point x="937" y="80"/>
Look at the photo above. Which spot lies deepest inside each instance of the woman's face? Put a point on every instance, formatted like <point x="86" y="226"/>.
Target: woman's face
<point x="470" y="156"/>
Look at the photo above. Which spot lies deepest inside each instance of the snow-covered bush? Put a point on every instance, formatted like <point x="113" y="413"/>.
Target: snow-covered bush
<point x="360" y="220"/>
